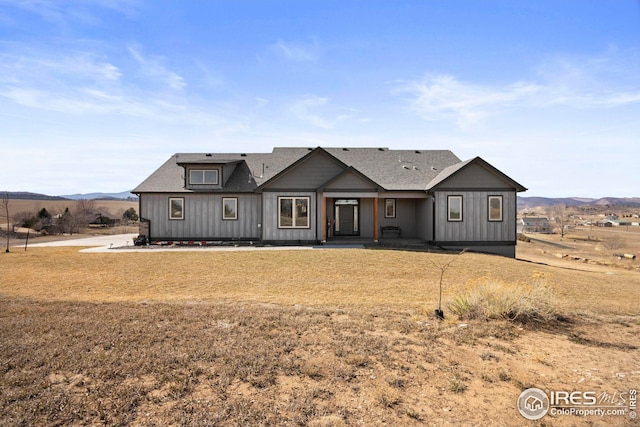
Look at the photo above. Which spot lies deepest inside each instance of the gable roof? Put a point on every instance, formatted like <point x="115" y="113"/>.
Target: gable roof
<point x="458" y="167"/>
<point x="396" y="169"/>
<point x="392" y="170"/>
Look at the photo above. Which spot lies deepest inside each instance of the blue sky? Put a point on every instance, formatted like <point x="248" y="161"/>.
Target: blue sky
<point x="95" y="95"/>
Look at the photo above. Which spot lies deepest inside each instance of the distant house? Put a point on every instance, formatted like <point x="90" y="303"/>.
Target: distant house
<point x="532" y="224"/>
<point x="318" y="195"/>
<point x="98" y="218"/>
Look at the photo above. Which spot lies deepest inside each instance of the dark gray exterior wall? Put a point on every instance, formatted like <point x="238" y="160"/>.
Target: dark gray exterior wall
<point x="475" y="225"/>
<point x="202" y="217"/>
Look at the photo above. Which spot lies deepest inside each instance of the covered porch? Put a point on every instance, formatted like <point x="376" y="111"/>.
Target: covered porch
<point x="372" y="217"/>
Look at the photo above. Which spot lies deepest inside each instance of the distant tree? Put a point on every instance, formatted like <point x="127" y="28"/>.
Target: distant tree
<point x="43" y="214"/>
<point x="130" y="215"/>
<point x="5" y="205"/>
<point x="66" y="221"/>
<point x="560" y="216"/>
<point x="84" y="212"/>
<point x="25" y="219"/>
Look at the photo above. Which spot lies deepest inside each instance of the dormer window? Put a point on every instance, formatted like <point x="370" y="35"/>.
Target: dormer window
<point x="203" y="177"/>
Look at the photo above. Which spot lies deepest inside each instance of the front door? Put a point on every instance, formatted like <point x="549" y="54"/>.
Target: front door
<point x="347" y="217"/>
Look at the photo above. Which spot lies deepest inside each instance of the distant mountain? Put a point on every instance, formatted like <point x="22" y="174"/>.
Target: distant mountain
<point x="25" y="195"/>
<point x="531" y="202"/>
<point x="125" y="195"/>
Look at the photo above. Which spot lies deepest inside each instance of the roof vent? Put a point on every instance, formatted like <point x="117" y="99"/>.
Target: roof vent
<point x="208" y="154"/>
<point x="415" y="168"/>
<point x="418" y="151"/>
<point x="405" y="167"/>
<point x="381" y="149"/>
<point x="243" y="155"/>
<point x="433" y="168"/>
<point x="345" y="149"/>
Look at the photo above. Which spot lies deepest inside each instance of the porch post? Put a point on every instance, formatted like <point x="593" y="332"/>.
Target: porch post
<point x="324" y="218"/>
<point x="375" y="219"/>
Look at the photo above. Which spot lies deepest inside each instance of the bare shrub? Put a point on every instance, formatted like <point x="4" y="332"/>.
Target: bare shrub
<point x="613" y="243"/>
<point x="497" y="299"/>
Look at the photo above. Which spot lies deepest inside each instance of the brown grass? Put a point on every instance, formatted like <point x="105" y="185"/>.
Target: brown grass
<point x="312" y="278"/>
<point x="323" y="338"/>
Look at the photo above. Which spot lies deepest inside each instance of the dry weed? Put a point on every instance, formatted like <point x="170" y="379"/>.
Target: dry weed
<point x="497" y="299"/>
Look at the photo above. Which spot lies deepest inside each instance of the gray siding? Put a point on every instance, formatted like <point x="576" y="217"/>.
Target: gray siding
<point x="475" y="226"/>
<point x="270" y="229"/>
<point x="202" y="217"/>
<point x="349" y="181"/>
<point x="424" y="219"/>
<point x="474" y="176"/>
<point x="405" y="216"/>
<point x="310" y="174"/>
<point x="366" y="218"/>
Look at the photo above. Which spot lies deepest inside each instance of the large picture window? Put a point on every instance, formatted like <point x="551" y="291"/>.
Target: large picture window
<point x="229" y="208"/>
<point x="176" y="208"/>
<point x="454" y="208"/>
<point x="293" y="212"/>
<point x="389" y="208"/>
<point x="203" y="177"/>
<point x="495" y="208"/>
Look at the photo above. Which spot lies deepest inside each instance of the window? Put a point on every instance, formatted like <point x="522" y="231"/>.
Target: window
<point x="495" y="208"/>
<point x="229" y="208"/>
<point x="454" y="208"/>
<point x="293" y="212"/>
<point x="203" y="177"/>
<point x="176" y="208"/>
<point x="389" y="208"/>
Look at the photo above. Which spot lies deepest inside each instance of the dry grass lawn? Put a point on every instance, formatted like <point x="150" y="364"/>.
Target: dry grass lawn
<point x="323" y="337"/>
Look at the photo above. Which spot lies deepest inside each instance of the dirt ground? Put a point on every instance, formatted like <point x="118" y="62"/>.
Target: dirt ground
<point x="191" y="338"/>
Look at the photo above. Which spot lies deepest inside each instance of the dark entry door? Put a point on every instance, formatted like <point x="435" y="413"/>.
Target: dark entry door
<point x="347" y="217"/>
<point x="346" y="220"/>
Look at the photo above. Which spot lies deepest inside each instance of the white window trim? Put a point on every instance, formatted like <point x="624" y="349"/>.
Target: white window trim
<point x="489" y="208"/>
<point x="235" y="209"/>
<point x="176" y="199"/>
<point x="216" y="180"/>
<point x="449" y="199"/>
<point x="294" y="199"/>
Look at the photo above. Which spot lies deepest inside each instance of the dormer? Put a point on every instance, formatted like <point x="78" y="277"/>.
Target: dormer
<point x="207" y="176"/>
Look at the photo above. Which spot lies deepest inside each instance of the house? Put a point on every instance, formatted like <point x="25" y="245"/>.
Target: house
<point x="318" y="195"/>
<point x="530" y="224"/>
<point x="99" y="219"/>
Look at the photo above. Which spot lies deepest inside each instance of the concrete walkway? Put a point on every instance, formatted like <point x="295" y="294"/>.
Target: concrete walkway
<point x="119" y="243"/>
<point x="104" y="242"/>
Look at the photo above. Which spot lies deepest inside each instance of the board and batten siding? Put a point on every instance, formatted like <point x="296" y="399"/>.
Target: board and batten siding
<point x="202" y="217"/>
<point x="475" y="225"/>
<point x="270" y="230"/>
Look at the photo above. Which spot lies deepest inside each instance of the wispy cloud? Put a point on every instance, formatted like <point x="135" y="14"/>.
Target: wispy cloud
<point x="319" y="112"/>
<point x="81" y="83"/>
<point x="439" y="97"/>
<point x="602" y="82"/>
<point x="297" y="51"/>
<point x="152" y="67"/>
<point x="65" y="13"/>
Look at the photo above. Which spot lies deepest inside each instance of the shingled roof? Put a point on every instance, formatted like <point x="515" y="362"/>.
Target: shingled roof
<point x="391" y="169"/>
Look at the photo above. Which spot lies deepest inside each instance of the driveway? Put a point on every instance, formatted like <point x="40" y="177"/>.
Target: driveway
<point x="119" y="243"/>
<point x="103" y="242"/>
